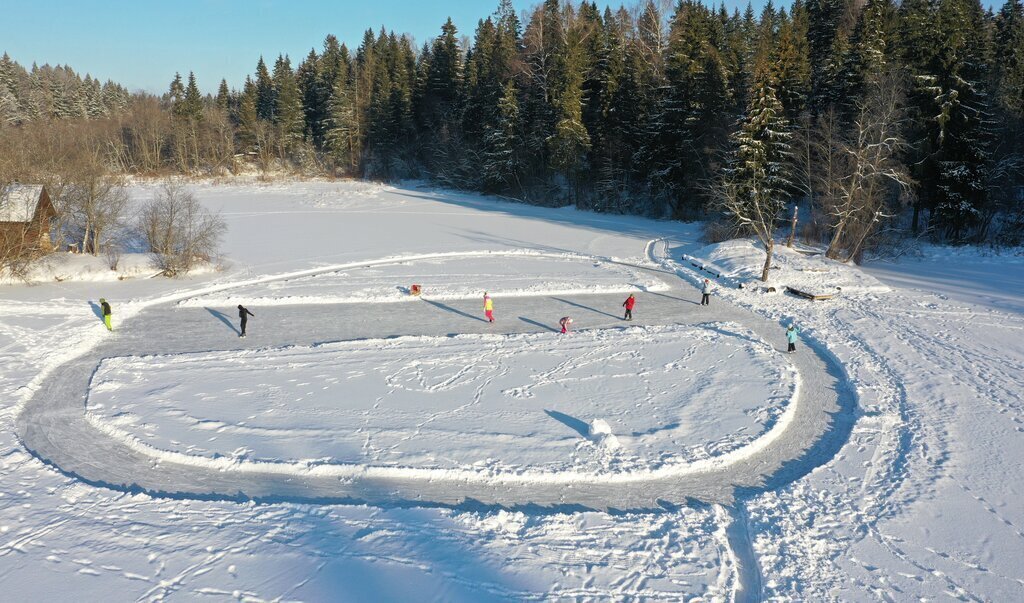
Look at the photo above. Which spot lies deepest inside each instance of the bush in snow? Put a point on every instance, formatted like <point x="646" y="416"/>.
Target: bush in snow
<point x="180" y="231"/>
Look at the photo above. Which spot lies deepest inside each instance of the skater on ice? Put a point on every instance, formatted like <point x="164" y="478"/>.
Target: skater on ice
<point x="706" y="290"/>
<point x="565" y="322"/>
<point x="488" y="307"/>
<point x="106" y="314"/>
<point x="791" y="334"/>
<point x="244" y="314"/>
<point x="628" y="305"/>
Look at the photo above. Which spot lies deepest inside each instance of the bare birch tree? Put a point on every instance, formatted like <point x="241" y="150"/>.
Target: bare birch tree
<point x="179" y="230"/>
<point x="867" y="170"/>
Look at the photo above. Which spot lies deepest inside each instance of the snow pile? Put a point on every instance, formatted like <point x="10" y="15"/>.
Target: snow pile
<point x="86" y="268"/>
<point x="601" y="434"/>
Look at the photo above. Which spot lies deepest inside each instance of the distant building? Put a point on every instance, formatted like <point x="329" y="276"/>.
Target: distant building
<point x="26" y="216"/>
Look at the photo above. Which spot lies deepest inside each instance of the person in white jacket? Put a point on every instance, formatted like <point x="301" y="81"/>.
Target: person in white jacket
<point x="706" y="290"/>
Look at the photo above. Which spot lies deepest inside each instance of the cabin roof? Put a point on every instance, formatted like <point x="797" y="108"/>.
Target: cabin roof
<point x="18" y="202"/>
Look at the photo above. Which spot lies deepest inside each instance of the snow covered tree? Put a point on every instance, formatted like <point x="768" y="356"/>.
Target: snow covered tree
<point x="176" y="95"/>
<point x="569" y="141"/>
<point x="690" y="129"/>
<point x="344" y="135"/>
<point x="753" y="190"/>
<point x="1009" y="42"/>
<point x="963" y="127"/>
<point x="501" y="164"/>
<point x="288" y="114"/>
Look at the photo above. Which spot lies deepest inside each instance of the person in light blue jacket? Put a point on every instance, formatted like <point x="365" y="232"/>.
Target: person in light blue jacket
<point x="791" y="334"/>
<point x="706" y="290"/>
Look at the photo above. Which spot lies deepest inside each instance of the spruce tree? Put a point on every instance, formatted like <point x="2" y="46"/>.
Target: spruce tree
<point x="963" y="126"/>
<point x="344" y="136"/>
<point x="248" y="114"/>
<point x="288" y="114"/>
<point x="501" y="162"/>
<point x="825" y="51"/>
<point x="176" y="96"/>
<point x="1009" y="42"/>
<point x="758" y="180"/>
<point x="307" y="77"/>
<point x="192" y="103"/>
<point x="264" y="92"/>
<point x="223" y="96"/>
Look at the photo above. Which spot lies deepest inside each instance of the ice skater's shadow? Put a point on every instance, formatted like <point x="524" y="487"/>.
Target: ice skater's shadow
<point x="97" y="310"/>
<point x="538" y="324"/>
<point x="571" y="422"/>
<point x="448" y="308"/>
<point x="224" y="318"/>
<point x="574" y="304"/>
<point x="689" y="301"/>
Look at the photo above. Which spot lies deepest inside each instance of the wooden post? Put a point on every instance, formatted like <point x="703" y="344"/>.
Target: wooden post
<point x="792" y="232"/>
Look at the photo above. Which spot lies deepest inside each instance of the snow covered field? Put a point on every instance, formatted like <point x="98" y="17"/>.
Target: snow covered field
<point x="473" y="401"/>
<point x="905" y="388"/>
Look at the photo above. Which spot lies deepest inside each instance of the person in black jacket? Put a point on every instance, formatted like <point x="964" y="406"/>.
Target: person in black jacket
<point x="244" y="314"/>
<point x="106" y="314"/>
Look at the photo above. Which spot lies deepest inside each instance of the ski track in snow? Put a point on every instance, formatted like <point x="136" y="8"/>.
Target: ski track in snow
<point x="53" y="426"/>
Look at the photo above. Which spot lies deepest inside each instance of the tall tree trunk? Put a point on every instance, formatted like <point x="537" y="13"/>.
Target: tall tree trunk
<point x="833" y="247"/>
<point x="769" y="248"/>
<point x="792" y="230"/>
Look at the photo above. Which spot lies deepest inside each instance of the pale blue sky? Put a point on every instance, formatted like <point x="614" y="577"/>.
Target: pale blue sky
<point x="142" y="43"/>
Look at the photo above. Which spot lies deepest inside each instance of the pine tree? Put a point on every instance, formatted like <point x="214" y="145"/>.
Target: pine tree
<point x="918" y="51"/>
<point x="248" y="114"/>
<point x="502" y="166"/>
<point x="176" y="96"/>
<point x="192" y="103"/>
<point x="873" y="48"/>
<point x="691" y="126"/>
<point x="824" y="39"/>
<point x="792" y="67"/>
<point x="758" y="180"/>
<point x="265" y="102"/>
<point x="1009" y="42"/>
<point x="115" y="97"/>
<point x="443" y="80"/>
<point x="288" y="113"/>
<point x="93" y="97"/>
<point x="569" y="141"/>
<point x="344" y="136"/>
<point x="963" y="127"/>
<point x="10" y="106"/>
<point x="223" y="96"/>
<point x="307" y="78"/>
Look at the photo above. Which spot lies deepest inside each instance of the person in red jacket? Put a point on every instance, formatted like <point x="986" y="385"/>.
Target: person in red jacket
<point x="565" y="322"/>
<point x="628" y="305"/>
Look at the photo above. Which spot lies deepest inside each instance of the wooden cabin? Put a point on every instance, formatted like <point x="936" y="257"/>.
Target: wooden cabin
<point x="26" y="215"/>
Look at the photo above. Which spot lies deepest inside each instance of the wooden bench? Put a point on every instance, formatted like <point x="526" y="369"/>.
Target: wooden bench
<point x="807" y="295"/>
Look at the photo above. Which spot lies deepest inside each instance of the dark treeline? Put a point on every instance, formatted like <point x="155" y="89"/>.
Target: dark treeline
<point x="871" y="116"/>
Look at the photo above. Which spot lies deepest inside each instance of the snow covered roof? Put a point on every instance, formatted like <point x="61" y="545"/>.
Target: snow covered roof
<point x="18" y="202"/>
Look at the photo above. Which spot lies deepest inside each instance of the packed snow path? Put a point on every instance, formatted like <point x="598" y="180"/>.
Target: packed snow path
<point x="55" y="427"/>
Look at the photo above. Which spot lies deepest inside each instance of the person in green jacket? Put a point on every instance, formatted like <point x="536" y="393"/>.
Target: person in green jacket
<point x="106" y="314"/>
